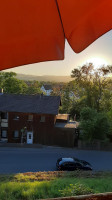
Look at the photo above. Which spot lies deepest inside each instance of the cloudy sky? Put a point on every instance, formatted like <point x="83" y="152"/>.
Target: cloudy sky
<point x="100" y="52"/>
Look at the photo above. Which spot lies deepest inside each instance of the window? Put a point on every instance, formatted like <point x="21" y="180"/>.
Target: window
<point x="16" y="117"/>
<point x="16" y="134"/>
<point x="42" y="119"/>
<point x="4" y="115"/>
<point x="71" y="164"/>
<point x="65" y="164"/>
<point x="30" y="117"/>
<point x="4" y="134"/>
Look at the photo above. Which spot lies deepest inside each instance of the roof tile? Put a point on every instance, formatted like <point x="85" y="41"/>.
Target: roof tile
<point x="29" y="103"/>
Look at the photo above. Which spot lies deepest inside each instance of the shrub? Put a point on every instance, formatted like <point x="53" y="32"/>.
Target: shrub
<point x="77" y="189"/>
<point x="94" y="125"/>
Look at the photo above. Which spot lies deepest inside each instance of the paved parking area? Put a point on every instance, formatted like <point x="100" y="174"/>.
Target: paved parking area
<point x="16" y="160"/>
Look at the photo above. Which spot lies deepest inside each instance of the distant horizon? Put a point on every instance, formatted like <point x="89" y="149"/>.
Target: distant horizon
<point x="41" y="75"/>
<point x="45" y="78"/>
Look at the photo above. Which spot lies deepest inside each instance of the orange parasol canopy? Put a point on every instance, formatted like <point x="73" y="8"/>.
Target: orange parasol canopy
<point x="85" y="20"/>
<point x="35" y="31"/>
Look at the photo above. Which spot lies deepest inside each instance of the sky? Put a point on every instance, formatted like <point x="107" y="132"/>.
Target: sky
<point x="99" y="53"/>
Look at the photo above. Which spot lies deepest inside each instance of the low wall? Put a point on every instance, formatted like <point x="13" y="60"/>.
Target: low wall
<point x="97" y="145"/>
<point x="102" y="196"/>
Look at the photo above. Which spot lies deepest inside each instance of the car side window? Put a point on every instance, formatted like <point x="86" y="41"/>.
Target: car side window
<point x="78" y="165"/>
<point x="65" y="164"/>
<point x="71" y="164"/>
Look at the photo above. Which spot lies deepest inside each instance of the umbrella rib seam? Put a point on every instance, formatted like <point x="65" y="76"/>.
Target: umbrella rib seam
<point x="60" y="17"/>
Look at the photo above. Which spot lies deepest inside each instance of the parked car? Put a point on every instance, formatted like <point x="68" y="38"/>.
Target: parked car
<point x="71" y="164"/>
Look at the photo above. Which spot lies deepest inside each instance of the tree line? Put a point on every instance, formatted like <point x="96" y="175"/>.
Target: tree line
<point x="88" y="97"/>
<point x="12" y="85"/>
<point x="92" y="100"/>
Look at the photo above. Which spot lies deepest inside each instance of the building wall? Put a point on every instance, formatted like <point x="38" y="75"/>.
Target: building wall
<point x="3" y="126"/>
<point x="63" y="137"/>
<point x="38" y="128"/>
<point x="43" y="132"/>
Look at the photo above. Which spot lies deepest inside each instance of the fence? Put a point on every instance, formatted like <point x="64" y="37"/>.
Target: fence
<point x="96" y="145"/>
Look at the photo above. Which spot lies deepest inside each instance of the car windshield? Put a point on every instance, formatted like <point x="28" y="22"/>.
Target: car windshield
<point x="77" y="160"/>
<point x="66" y="160"/>
<point x="81" y="161"/>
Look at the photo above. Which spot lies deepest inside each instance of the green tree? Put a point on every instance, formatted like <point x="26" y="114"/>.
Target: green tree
<point x="33" y="88"/>
<point x="76" y="106"/>
<point x="76" y="89"/>
<point x="106" y="101"/>
<point x="94" y="125"/>
<point x="15" y="86"/>
<point x="66" y="101"/>
<point x="78" y="100"/>
<point x="93" y="81"/>
<point x="109" y="114"/>
<point x="8" y="74"/>
<point x="4" y="76"/>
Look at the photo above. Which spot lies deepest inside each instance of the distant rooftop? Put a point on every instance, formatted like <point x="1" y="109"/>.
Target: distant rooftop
<point x="62" y="117"/>
<point x="70" y="124"/>
<point x="47" y="87"/>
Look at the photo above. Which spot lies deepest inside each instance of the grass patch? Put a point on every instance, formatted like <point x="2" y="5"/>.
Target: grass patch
<point x="41" y="185"/>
